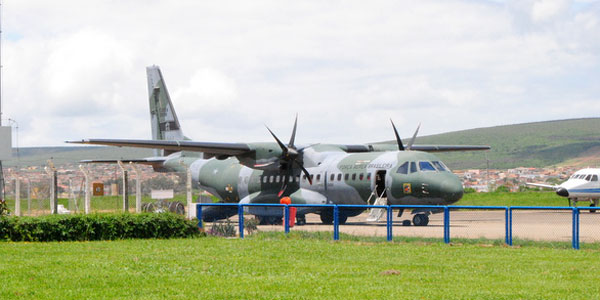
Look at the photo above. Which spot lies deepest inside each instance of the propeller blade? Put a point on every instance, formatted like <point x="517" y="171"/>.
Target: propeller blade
<point x="283" y="147"/>
<point x="283" y="185"/>
<point x="412" y="141"/>
<point x="304" y="171"/>
<point x="293" y="138"/>
<point x="398" y="140"/>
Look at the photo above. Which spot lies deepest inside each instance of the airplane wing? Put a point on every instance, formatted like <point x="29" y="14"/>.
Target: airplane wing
<point x="230" y="149"/>
<point x="424" y="148"/>
<point x="554" y="187"/>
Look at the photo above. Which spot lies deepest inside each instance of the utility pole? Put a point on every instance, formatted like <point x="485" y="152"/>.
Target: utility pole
<point x="51" y="170"/>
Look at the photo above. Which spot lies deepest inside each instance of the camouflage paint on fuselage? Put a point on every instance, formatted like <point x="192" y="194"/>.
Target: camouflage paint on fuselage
<point x="338" y="177"/>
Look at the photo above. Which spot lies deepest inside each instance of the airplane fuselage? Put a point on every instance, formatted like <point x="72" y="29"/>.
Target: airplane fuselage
<point x="404" y="177"/>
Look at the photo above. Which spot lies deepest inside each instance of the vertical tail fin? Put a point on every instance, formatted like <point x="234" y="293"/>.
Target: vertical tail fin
<point x="164" y="122"/>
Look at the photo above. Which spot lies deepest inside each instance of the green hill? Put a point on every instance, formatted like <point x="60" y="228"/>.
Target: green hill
<point x="573" y="142"/>
<point x="37" y="156"/>
<point x="565" y="142"/>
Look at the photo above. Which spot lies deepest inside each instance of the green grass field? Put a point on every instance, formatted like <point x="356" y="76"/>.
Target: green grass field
<point x="297" y="267"/>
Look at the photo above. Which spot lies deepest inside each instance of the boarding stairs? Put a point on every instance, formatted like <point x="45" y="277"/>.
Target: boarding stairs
<point x="376" y="213"/>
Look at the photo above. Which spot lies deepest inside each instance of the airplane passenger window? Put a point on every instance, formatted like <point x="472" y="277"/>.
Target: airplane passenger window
<point x="439" y="166"/>
<point x="277" y="179"/>
<point x="361" y="176"/>
<point x="368" y="176"/>
<point x="318" y="177"/>
<point x="413" y="167"/>
<point x="354" y="176"/>
<point x="303" y="177"/>
<point x="298" y="178"/>
<point x="595" y="178"/>
<point x="346" y="176"/>
<point x="312" y="177"/>
<point x="291" y="179"/>
<point x="340" y="177"/>
<point x="588" y="178"/>
<point x="332" y="177"/>
<point x="271" y="179"/>
<point x="264" y="179"/>
<point x="403" y="169"/>
<point x="426" y="166"/>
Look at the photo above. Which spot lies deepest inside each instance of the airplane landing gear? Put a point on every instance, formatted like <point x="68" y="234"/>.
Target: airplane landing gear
<point x="301" y="220"/>
<point x="421" y="220"/>
<point x="327" y="218"/>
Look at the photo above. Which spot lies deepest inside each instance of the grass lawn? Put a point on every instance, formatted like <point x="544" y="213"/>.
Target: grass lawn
<point x="271" y="266"/>
<point x="514" y="199"/>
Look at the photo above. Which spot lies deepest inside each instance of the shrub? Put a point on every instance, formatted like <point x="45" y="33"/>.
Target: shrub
<point x="96" y="227"/>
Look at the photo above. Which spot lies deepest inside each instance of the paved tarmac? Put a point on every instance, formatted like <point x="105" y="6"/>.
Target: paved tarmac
<point x="537" y="225"/>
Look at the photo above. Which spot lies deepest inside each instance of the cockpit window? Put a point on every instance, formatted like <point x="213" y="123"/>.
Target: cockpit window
<point x="413" y="167"/>
<point x="426" y="166"/>
<point x="588" y="178"/>
<point x="403" y="169"/>
<point x="440" y="166"/>
<point x="595" y="178"/>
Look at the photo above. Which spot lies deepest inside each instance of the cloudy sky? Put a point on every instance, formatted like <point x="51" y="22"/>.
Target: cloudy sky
<point x="76" y="69"/>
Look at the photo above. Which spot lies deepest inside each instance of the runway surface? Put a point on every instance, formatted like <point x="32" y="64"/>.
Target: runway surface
<point x="536" y="225"/>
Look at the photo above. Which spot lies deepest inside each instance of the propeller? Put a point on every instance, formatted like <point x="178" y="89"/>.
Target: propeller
<point x="399" y="141"/>
<point x="290" y="155"/>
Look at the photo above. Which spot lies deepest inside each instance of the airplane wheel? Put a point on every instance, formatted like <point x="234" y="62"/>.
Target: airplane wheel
<point x="301" y="220"/>
<point x="326" y="217"/>
<point x="592" y="210"/>
<point x="420" y="220"/>
<point x="342" y="219"/>
<point x="406" y="223"/>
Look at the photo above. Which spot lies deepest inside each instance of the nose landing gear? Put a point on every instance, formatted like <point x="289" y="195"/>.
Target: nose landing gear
<point x="420" y="220"/>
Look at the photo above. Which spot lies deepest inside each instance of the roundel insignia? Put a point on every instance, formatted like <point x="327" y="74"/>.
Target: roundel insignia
<point x="407" y="188"/>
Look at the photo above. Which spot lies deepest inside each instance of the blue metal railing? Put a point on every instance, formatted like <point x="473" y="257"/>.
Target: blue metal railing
<point x="508" y="215"/>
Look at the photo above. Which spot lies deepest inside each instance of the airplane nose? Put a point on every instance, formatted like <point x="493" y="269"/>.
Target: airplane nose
<point x="562" y="192"/>
<point x="452" y="190"/>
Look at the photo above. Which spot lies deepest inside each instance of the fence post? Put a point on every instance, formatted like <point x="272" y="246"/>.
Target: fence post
<point x="575" y="234"/>
<point x="286" y="218"/>
<point x="336" y="223"/>
<point x="199" y="215"/>
<point x="506" y="225"/>
<point x="510" y="225"/>
<point x="446" y="225"/>
<point x="389" y="223"/>
<point x="241" y="219"/>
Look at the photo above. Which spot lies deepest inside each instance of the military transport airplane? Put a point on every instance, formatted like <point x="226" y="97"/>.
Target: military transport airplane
<point x="583" y="185"/>
<point x="389" y="173"/>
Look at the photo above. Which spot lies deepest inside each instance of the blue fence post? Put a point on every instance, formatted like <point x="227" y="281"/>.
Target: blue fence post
<point x="336" y="223"/>
<point x="575" y="233"/>
<point x="446" y="225"/>
<point x="241" y="219"/>
<point x="510" y="225"/>
<point x="286" y="218"/>
<point x="506" y="226"/>
<point x="389" y="223"/>
<point x="199" y="215"/>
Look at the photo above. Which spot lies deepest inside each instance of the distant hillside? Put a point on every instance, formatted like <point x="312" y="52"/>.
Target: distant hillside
<point x="37" y="156"/>
<point x="566" y="142"/>
<point x="573" y="142"/>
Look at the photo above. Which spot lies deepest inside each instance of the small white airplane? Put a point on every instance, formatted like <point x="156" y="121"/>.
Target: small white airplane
<point x="581" y="186"/>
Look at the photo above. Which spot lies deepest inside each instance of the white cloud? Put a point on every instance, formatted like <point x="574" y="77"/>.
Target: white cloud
<point x="344" y="68"/>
